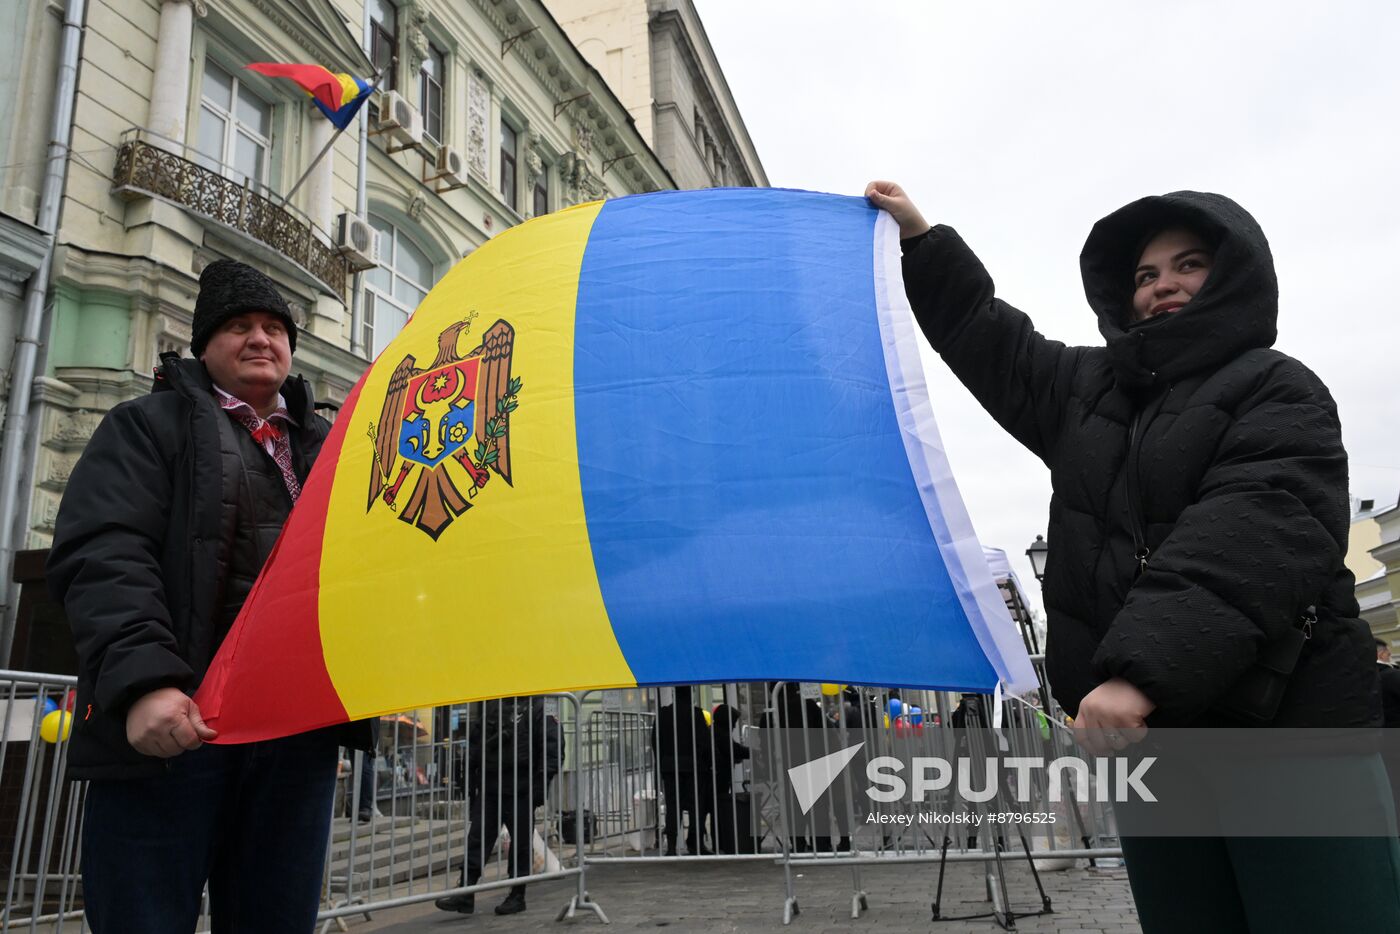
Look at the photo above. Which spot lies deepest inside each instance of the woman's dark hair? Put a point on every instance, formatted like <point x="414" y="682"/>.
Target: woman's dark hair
<point x="1211" y="237"/>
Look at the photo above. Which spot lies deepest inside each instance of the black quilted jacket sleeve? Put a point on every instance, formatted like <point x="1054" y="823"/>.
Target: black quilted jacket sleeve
<point x="1263" y="540"/>
<point x="106" y="561"/>
<point x="1021" y="378"/>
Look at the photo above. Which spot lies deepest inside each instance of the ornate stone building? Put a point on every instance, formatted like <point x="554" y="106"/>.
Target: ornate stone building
<point x="656" y="57"/>
<point x="179" y="155"/>
<point x="1374" y="557"/>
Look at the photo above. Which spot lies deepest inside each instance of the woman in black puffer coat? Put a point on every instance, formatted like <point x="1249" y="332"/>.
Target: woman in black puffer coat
<point x="1199" y="515"/>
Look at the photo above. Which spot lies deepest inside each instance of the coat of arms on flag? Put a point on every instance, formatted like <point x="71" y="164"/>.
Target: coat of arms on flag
<point x="449" y="419"/>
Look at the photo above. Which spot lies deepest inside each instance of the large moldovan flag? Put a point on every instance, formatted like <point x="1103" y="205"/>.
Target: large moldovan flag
<point x="670" y="438"/>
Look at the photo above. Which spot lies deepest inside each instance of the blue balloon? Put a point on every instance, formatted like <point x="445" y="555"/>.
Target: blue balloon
<point x="895" y="706"/>
<point x="50" y="705"/>
<point x="916" y="715"/>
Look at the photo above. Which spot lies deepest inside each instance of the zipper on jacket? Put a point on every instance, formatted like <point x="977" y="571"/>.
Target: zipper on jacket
<point x="1135" y="520"/>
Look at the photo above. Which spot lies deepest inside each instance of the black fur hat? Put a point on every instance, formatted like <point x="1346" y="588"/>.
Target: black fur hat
<point x="228" y="288"/>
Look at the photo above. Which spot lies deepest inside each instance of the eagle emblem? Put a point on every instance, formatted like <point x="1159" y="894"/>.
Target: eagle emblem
<point x="447" y="427"/>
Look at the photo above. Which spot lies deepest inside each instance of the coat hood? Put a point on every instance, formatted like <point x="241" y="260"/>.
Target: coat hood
<point x="1236" y="309"/>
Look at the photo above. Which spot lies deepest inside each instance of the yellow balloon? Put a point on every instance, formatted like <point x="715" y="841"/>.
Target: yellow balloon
<point x="831" y="690"/>
<point x="56" y="725"/>
<point x="709" y="720"/>
<point x="887" y="721"/>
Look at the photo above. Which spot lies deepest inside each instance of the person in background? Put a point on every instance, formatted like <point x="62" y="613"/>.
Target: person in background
<point x="801" y="727"/>
<point x="167" y="520"/>
<point x="514" y="750"/>
<point x="1390" y="683"/>
<point x="729" y="825"/>
<point x="684" y="758"/>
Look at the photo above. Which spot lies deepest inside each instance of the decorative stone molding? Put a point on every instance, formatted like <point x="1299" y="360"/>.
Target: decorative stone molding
<point x="478" y="117"/>
<point x="173" y="331"/>
<point x="73" y="429"/>
<point x="583" y="139"/>
<point x="45" y="515"/>
<point x="578" y="181"/>
<point x="22" y="250"/>
<point x="415" y="17"/>
<point x="592" y="189"/>
<point x="534" y="162"/>
<point x="300" y="313"/>
<point x="325" y="43"/>
<point x="417" y="205"/>
<point x="58" y="470"/>
<point x="547" y="67"/>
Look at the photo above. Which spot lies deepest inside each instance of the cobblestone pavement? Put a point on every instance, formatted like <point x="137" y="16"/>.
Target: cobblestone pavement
<point x="748" y="897"/>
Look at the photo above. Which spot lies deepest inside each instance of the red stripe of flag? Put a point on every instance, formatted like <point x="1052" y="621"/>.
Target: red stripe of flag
<point x="289" y="683"/>
<point x="316" y="80"/>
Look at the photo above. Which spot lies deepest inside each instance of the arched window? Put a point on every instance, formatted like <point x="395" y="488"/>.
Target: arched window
<point x="394" y="289"/>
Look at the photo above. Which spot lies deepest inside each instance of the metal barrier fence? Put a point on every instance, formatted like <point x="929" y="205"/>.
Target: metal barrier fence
<point x="625" y="776"/>
<point x="444" y="782"/>
<point x="40" y="812"/>
<point x="728" y="810"/>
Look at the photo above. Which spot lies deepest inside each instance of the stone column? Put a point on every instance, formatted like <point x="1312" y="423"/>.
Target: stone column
<point x="170" y="94"/>
<point x="322" y="178"/>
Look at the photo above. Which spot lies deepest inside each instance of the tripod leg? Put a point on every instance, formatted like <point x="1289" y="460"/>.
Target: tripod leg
<point x="942" y="866"/>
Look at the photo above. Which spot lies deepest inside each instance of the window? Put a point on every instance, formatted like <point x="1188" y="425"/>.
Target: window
<point x="508" y="164"/>
<point x="430" y="87"/>
<point x="384" y="41"/>
<point x="235" y="127"/>
<point x="393" y="289"/>
<point x="541" y="194"/>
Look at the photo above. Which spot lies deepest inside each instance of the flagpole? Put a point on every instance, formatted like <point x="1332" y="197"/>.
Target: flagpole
<point x="287" y="198"/>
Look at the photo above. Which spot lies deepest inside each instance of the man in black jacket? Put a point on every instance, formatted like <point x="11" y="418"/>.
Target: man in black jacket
<point x="683" y="748"/>
<point x="167" y="520"/>
<point x="514" y="750"/>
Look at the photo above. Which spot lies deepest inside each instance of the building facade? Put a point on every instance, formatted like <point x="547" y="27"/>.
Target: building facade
<point x="487" y="115"/>
<point x="657" y="58"/>
<point x="1378" y="585"/>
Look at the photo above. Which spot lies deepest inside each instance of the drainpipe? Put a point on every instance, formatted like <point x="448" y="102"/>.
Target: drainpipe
<point x="13" y="503"/>
<point x="357" y="281"/>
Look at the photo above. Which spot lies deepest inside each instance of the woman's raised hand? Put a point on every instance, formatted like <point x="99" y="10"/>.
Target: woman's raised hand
<point x="888" y="196"/>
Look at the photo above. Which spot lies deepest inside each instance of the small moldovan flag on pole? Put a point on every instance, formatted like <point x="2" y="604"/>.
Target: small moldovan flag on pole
<point x="338" y="95"/>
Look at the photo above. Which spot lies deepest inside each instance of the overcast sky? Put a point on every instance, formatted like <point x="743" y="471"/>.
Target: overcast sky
<point x="1021" y="123"/>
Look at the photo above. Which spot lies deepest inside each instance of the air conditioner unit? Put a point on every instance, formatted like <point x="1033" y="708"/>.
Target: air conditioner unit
<point x="357" y="241"/>
<point x="401" y="120"/>
<point x="451" y="168"/>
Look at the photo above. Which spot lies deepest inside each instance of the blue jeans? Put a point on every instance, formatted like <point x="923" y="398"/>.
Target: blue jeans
<point x="253" y="820"/>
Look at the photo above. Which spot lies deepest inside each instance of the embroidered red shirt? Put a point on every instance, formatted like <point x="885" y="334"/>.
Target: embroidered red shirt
<point x="273" y="433"/>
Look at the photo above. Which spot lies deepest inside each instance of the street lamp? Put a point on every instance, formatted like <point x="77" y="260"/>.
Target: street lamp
<point x="1038" y="553"/>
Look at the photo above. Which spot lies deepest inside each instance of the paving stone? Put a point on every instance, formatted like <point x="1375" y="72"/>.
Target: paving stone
<point x="720" y="898"/>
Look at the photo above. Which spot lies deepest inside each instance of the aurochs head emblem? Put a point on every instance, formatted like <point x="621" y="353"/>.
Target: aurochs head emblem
<point x="445" y="425"/>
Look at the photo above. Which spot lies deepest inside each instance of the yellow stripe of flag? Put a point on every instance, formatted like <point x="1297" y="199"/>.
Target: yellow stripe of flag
<point x="382" y="625"/>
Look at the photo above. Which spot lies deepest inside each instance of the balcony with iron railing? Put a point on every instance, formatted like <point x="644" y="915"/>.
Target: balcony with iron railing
<point x="252" y="211"/>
